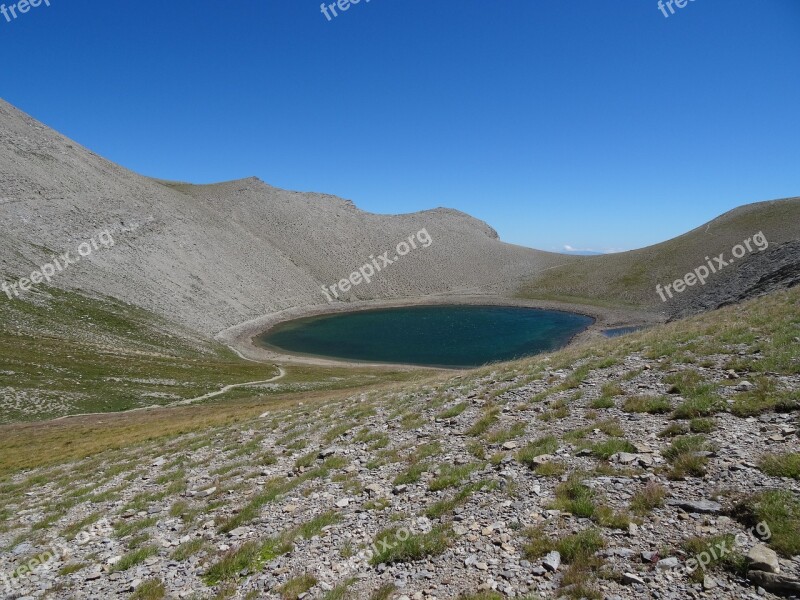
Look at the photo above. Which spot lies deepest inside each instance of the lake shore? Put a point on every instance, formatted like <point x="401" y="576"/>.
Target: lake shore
<point x="240" y="338"/>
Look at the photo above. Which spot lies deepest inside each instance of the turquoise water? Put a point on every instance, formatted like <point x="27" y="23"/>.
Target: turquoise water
<point x="620" y="331"/>
<point x="442" y="336"/>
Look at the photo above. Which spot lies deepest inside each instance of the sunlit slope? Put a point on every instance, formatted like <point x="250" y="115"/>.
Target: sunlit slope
<point x="67" y="353"/>
<point x="213" y="256"/>
<point x="630" y="278"/>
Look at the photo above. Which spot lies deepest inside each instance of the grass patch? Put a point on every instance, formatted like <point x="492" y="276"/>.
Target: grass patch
<point x="71" y="568"/>
<point x="378" y="504"/>
<point x="187" y="549"/>
<point x="124" y="529"/>
<point x="317" y="524"/>
<point x="271" y="492"/>
<point x="701" y="397"/>
<point x="340" y="591"/>
<point x="402" y="546"/>
<point x="412" y="420"/>
<point x="648" y="498"/>
<point x="685" y="456"/>
<point x="733" y="561"/>
<point x="688" y="465"/>
<point x="702" y="425"/>
<point x="781" y="465"/>
<point x="136" y="557"/>
<point x="247" y="558"/>
<point x="180" y="508"/>
<point x="574" y="497"/>
<point x="686" y="443"/>
<point x="500" y="436"/>
<point x="673" y="429"/>
<point x="610" y="427"/>
<point x="150" y="589"/>
<point x="453" y="411"/>
<point x="606" y="516"/>
<point x="765" y="397"/>
<point x="608" y="392"/>
<point x="602" y="402"/>
<point x="551" y="469"/>
<point x="578" y="581"/>
<point x="483" y="424"/>
<point x="573" y="548"/>
<point x="608" y="448"/>
<point x="411" y="475"/>
<point x="336" y="432"/>
<point x="654" y="405"/>
<point x="557" y="410"/>
<point x="296" y="586"/>
<point x="71" y="531"/>
<point x="426" y="451"/>
<point x="452" y="476"/>
<point x="306" y="460"/>
<point x="544" y="445"/>
<point x="443" y="507"/>
<point x="384" y="592"/>
<point x="780" y="510"/>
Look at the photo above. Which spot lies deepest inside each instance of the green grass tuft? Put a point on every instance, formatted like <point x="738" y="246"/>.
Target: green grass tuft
<point x="151" y="589"/>
<point x="397" y="545"/>
<point x="781" y="465"/>
<point x="608" y="448"/>
<point x="539" y="447"/>
<point x="780" y="510"/>
<point x="136" y="557"/>
<point x="297" y="586"/>
<point x="575" y="497"/>
<point x="654" y="405"/>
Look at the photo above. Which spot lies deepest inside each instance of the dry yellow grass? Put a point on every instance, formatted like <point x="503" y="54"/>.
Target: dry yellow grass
<point x="31" y="445"/>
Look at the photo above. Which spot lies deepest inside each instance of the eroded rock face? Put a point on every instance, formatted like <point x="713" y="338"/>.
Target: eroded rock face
<point x="776" y="268"/>
<point x="772" y="582"/>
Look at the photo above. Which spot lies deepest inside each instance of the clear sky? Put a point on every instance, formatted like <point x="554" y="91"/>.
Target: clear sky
<point x="594" y="124"/>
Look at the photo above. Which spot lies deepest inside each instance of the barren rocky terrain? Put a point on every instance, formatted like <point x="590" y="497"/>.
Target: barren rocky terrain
<point x="148" y="451"/>
<point x="600" y="471"/>
<point x="213" y="256"/>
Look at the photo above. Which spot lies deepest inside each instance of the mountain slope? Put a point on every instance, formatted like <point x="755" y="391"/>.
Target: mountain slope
<point x="209" y="257"/>
<point x="630" y="278"/>
<point x="629" y="457"/>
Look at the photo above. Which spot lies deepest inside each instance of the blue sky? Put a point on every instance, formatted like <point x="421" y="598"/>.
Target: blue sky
<point x="599" y="125"/>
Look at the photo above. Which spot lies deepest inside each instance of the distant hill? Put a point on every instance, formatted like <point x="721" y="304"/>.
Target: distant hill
<point x="630" y="278"/>
<point x="581" y="252"/>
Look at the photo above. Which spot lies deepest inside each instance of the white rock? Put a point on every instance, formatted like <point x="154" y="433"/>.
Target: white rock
<point x="552" y="561"/>
<point x="762" y="558"/>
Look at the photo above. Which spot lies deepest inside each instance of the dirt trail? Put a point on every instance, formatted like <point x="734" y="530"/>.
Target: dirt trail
<point x="227" y="388"/>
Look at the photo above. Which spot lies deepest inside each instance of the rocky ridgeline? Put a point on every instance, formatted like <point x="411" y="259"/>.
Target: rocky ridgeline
<point x="541" y="482"/>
